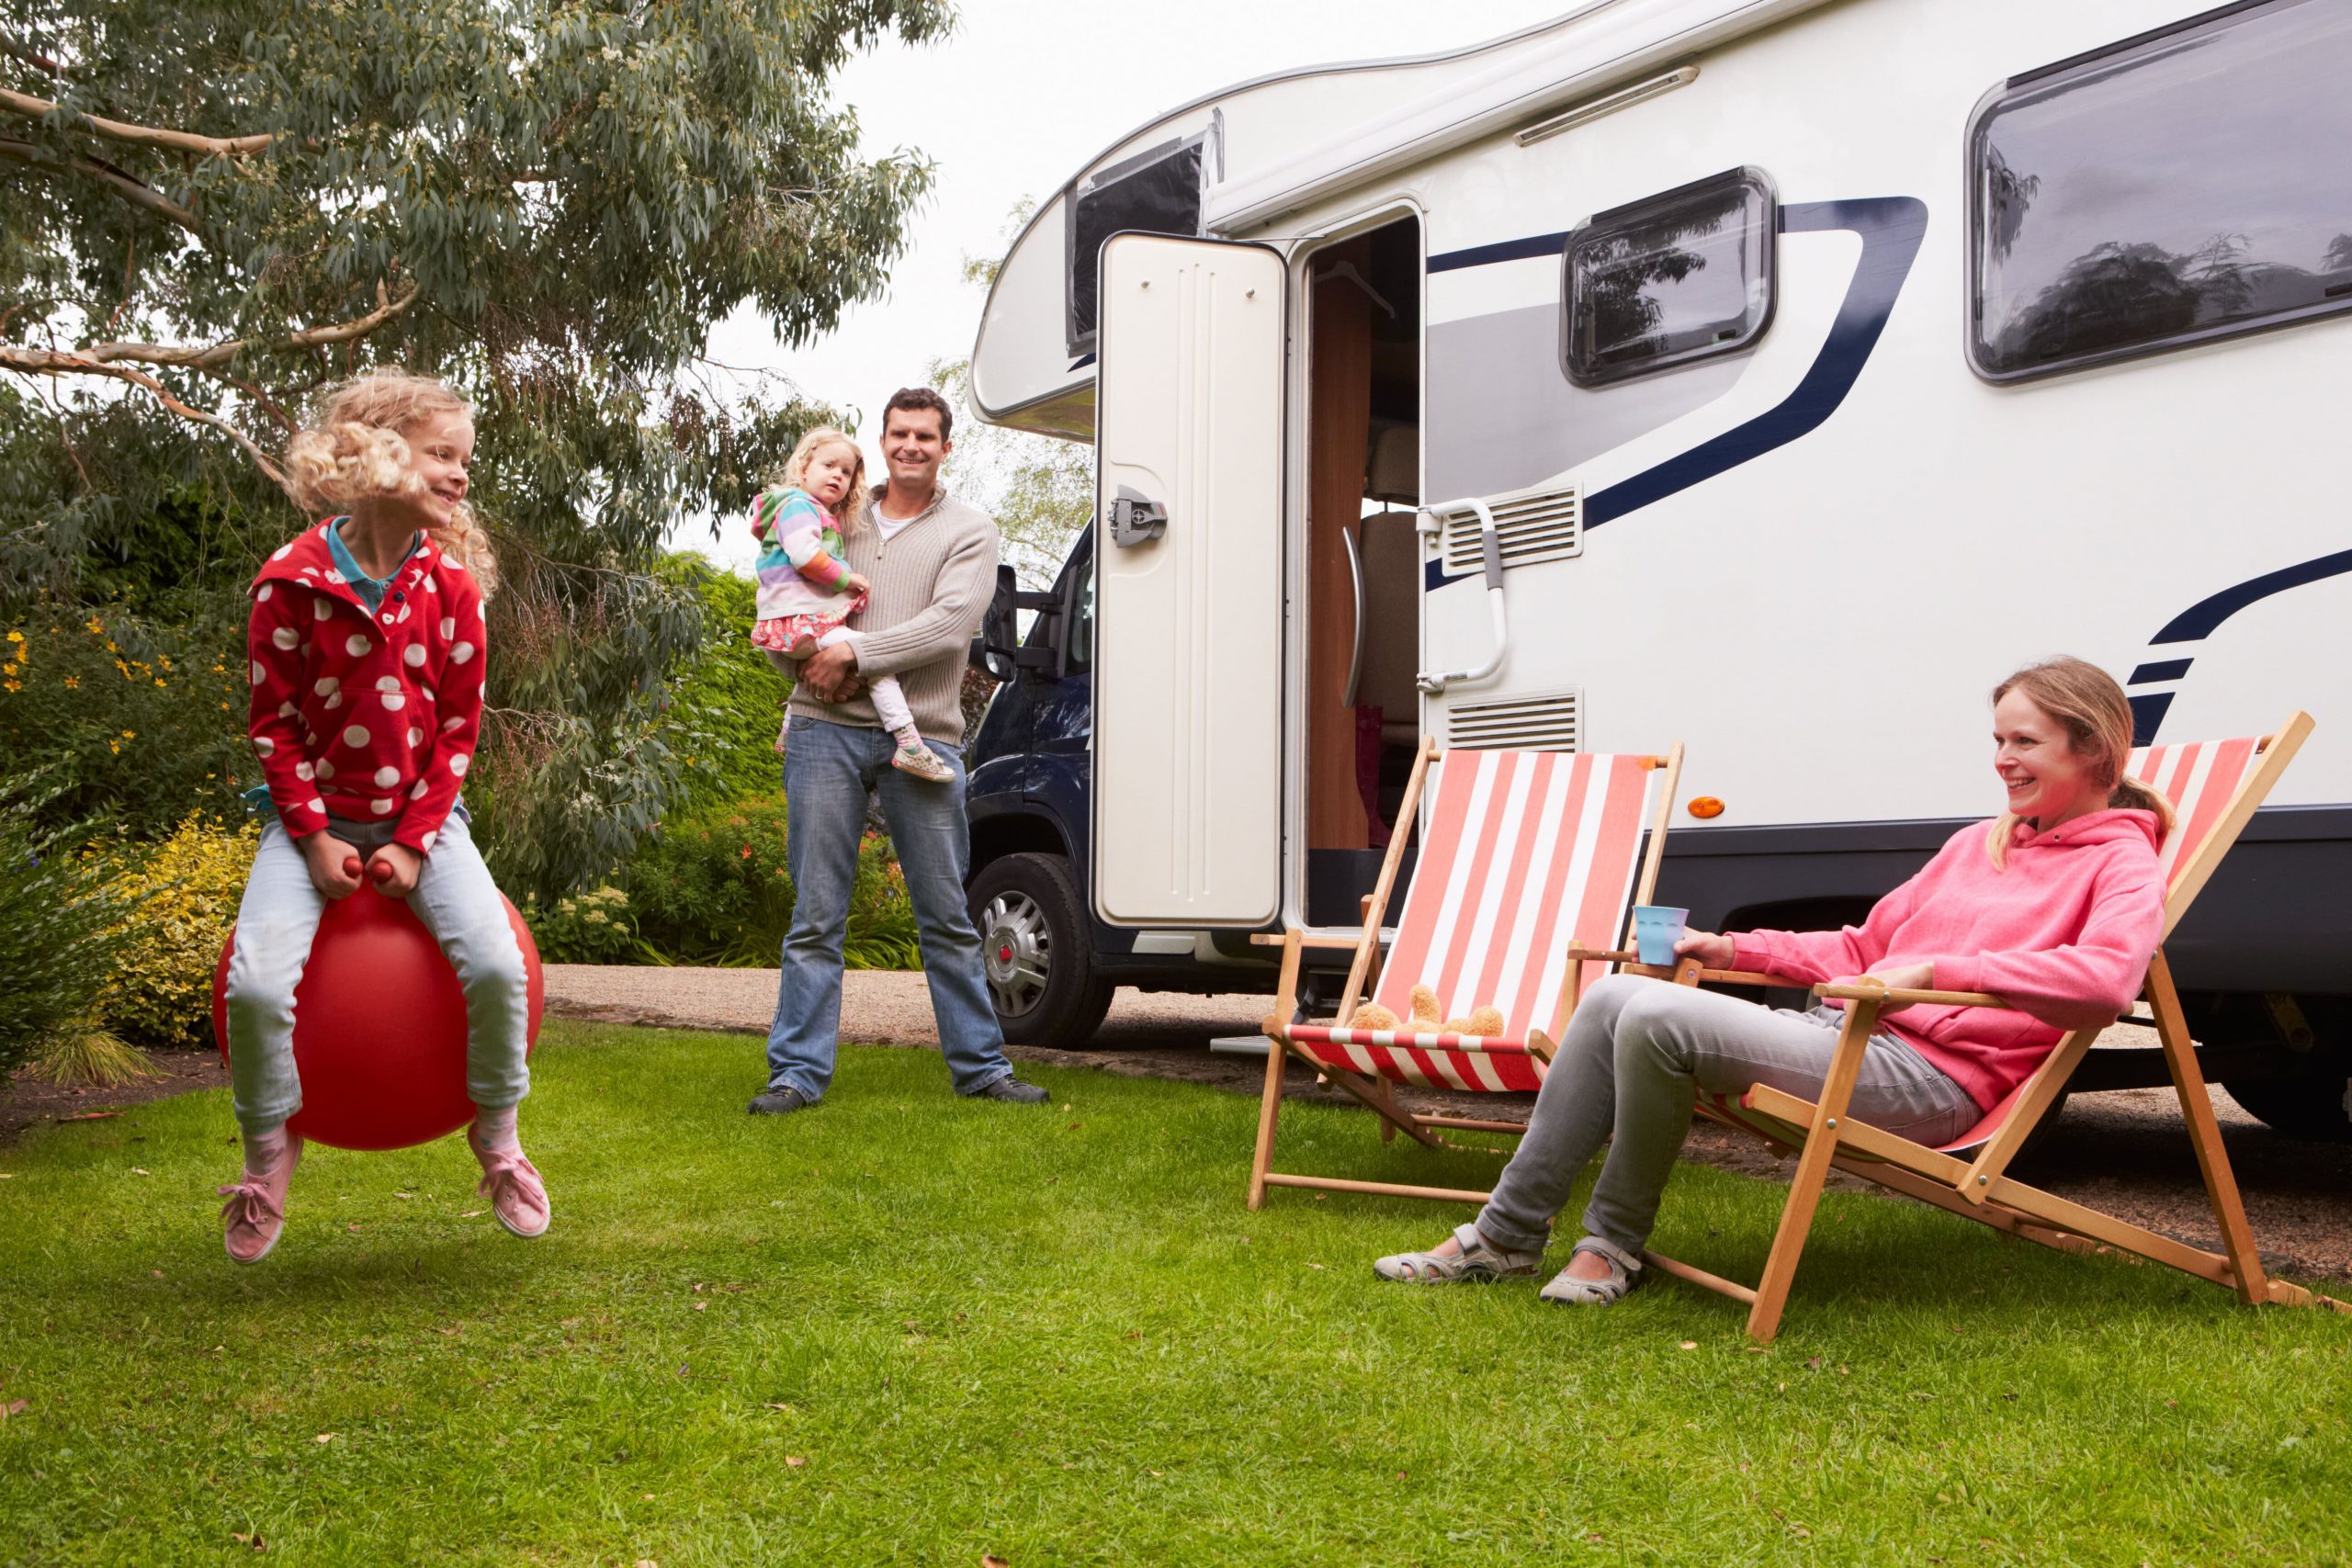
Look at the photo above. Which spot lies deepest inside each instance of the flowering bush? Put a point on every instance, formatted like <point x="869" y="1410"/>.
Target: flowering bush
<point x="179" y="903"/>
<point x="141" y="723"/>
<point x="881" y="918"/>
<point x="587" y="927"/>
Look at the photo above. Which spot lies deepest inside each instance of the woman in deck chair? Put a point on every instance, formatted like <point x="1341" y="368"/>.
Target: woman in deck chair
<point x="2056" y="907"/>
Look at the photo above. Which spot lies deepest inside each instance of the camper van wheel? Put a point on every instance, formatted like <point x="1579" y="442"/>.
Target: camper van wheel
<point x="1033" y="944"/>
<point x="2314" y="1099"/>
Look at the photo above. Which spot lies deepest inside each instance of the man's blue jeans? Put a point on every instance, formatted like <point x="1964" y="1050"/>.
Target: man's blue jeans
<point x="828" y="770"/>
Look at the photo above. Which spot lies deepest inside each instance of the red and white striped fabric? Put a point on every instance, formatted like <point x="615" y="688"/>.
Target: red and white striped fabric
<point x="2201" y="778"/>
<point x="1523" y="853"/>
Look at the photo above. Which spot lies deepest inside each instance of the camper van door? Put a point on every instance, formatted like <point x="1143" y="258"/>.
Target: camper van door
<point x="1188" y="660"/>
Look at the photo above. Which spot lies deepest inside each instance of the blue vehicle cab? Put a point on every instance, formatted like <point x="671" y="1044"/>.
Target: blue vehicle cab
<point x="1052" y="965"/>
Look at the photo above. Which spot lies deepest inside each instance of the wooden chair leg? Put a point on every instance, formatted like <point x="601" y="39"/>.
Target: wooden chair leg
<point x="1813" y="1171"/>
<point x="1269" y="1105"/>
<point x="2205" y="1134"/>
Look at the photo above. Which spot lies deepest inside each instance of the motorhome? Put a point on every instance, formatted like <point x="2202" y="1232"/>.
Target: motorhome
<point x="1771" y="376"/>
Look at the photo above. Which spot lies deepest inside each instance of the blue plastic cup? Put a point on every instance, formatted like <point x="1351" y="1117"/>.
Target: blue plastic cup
<point x="1656" y="928"/>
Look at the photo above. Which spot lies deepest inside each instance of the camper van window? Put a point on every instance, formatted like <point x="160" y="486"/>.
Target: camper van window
<point x="1157" y="192"/>
<point x="2180" y="187"/>
<point x="1677" y="278"/>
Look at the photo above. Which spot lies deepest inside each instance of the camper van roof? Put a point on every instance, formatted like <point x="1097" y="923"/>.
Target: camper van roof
<point x="1276" y="157"/>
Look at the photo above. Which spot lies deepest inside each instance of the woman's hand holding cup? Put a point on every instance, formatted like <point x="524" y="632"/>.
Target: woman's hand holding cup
<point x="1709" y="948"/>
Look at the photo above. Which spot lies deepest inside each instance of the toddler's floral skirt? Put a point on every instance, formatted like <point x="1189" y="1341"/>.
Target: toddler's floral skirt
<point x="795" y="636"/>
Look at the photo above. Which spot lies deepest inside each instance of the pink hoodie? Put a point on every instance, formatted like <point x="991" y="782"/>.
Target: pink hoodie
<point x="2065" y="932"/>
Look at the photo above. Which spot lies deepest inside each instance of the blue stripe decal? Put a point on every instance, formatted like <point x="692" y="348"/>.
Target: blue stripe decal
<point x="1891" y="228"/>
<point x="1503" y="251"/>
<point x="2203" y="619"/>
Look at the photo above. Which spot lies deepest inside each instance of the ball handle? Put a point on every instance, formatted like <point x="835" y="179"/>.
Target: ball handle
<point x="377" y="871"/>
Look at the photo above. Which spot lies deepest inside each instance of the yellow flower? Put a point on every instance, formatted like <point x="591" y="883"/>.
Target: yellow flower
<point x="16" y="637"/>
<point x="96" y="626"/>
<point x="115" y="748"/>
<point x="7" y="669"/>
<point x="14" y="685"/>
<point x="111" y="648"/>
<point x="130" y="735"/>
<point x="159" y="680"/>
<point x="72" y="682"/>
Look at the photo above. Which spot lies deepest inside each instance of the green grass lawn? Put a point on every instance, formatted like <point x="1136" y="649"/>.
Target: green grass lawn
<point x="906" y="1329"/>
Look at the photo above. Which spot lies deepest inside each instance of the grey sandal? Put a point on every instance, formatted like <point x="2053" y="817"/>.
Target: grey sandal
<point x="1476" y="1260"/>
<point x="1624" y="1273"/>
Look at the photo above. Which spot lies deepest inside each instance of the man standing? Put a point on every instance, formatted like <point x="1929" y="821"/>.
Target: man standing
<point x="932" y="561"/>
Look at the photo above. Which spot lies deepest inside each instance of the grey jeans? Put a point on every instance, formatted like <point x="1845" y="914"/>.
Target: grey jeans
<point x="280" y="916"/>
<point x="1637" y="1052"/>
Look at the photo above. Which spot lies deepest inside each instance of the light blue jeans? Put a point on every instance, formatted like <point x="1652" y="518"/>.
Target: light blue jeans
<point x="280" y="916"/>
<point x="1628" y="1073"/>
<point x="828" y="770"/>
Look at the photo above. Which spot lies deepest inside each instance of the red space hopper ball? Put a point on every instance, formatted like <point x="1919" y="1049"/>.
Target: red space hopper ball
<point x="379" y="1026"/>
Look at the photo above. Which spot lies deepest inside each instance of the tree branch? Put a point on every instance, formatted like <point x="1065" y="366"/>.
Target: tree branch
<point x="31" y="107"/>
<point x="55" y="362"/>
<point x="114" y="179"/>
<point x="220" y="354"/>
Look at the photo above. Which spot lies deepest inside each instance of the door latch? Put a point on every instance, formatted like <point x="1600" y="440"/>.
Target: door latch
<point x="1136" y="520"/>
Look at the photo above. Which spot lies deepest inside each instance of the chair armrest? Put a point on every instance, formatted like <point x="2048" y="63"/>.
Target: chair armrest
<point x="1580" y="954"/>
<point x="1904" y="997"/>
<point x="1720" y="976"/>
<point x="1306" y="939"/>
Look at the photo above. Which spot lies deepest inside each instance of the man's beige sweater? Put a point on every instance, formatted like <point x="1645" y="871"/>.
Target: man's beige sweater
<point x="931" y="585"/>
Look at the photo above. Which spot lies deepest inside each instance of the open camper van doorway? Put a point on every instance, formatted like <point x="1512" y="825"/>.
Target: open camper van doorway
<point x="1362" y="556"/>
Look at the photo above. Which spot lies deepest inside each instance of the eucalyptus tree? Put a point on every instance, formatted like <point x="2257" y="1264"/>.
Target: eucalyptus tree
<point x="209" y="209"/>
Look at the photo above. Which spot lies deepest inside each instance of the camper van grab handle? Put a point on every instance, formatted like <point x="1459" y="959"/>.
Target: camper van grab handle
<point x="1135" y="519"/>
<point x="1490" y="549"/>
<point x="1355" y="654"/>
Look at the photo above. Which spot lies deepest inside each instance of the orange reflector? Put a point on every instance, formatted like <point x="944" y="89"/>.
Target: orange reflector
<point x="1705" y="806"/>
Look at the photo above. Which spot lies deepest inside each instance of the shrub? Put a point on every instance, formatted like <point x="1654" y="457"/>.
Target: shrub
<point x="180" y="902"/>
<point x="722" y="717"/>
<point x="882" y="933"/>
<point x="587" y="927"/>
<point x="138" y="721"/>
<point x="58" y="936"/>
<point x="713" y="888"/>
<point x="711" y="885"/>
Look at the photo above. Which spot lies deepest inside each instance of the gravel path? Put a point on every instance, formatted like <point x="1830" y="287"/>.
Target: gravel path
<point x="2122" y="1151"/>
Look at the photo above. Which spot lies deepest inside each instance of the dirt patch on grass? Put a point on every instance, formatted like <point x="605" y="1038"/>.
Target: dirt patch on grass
<point x="32" y="1099"/>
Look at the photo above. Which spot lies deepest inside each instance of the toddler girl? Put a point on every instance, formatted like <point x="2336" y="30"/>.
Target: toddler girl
<point x="366" y="650"/>
<point x="803" y="577"/>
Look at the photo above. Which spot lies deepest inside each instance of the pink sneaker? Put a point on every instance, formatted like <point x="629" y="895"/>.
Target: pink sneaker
<point x="256" y="1212"/>
<point x="512" y="1184"/>
<point x="924" y="763"/>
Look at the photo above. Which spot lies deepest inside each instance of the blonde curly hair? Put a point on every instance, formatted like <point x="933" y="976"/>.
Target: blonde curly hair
<point x="355" y="450"/>
<point x="851" y="513"/>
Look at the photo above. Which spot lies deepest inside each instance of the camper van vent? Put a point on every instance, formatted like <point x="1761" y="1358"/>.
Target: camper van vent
<point x="1535" y="526"/>
<point x="1545" y="721"/>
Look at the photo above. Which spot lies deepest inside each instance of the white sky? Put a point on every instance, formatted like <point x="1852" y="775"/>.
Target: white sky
<point x="1021" y="94"/>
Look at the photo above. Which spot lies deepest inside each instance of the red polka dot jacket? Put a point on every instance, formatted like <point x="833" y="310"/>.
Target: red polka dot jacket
<point x="365" y="713"/>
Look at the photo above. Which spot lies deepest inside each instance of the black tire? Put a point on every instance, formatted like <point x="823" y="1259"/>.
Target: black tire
<point x="2313" y="1098"/>
<point x="1035" y="949"/>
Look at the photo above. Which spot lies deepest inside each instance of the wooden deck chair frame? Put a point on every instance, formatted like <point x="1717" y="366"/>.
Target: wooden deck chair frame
<point x="1362" y="974"/>
<point x="1823" y="1136"/>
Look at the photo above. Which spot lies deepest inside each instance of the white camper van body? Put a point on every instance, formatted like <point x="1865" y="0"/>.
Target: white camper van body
<point x="1807" y="555"/>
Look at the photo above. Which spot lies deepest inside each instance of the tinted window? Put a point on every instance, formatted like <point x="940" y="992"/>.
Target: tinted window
<point x="2175" y="188"/>
<point x="1159" y="193"/>
<point x="1671" y="279"/>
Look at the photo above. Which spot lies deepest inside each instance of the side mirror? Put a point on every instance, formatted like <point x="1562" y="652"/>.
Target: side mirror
<point x="996" y="652"/>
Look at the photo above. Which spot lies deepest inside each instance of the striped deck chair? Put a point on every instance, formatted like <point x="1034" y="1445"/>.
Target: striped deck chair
<point x="1524" y="855"/>
<point x="2214" y="788"/>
